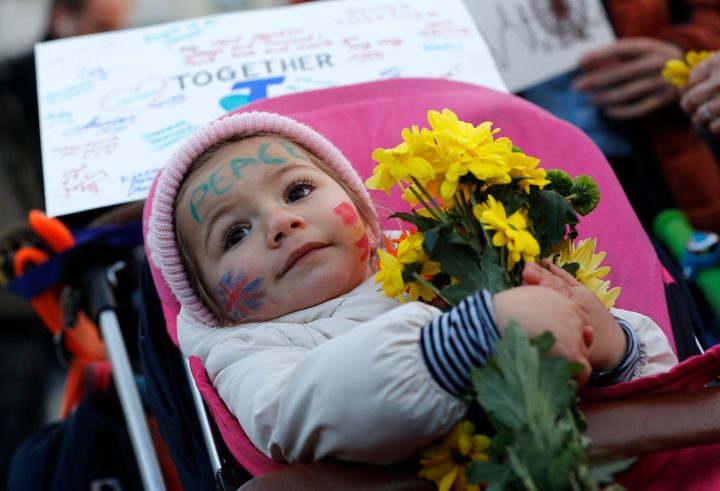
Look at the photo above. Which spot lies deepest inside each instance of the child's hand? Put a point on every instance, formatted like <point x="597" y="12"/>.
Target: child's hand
<point x="539" y="309"/>
<point x="609" y="344"/>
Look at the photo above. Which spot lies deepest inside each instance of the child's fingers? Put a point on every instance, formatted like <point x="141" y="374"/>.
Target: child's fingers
<point x="583" y="377"/>
<point x="534" y="274"/>
<point x="566" y="277"/>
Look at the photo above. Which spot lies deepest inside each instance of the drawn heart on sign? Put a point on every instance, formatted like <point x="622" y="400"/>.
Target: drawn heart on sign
<point x="234" y="101"/>
<point x="142" y="96"/>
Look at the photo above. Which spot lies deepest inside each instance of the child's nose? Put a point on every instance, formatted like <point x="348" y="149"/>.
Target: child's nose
<point x="282" y="224"/>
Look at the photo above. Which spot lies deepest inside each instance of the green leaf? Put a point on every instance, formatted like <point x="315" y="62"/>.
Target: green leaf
<point x="550" y="213"/>
<point x="508" y="382"/>
<point x="493" y="473"/>
<point x="508" y="195"/>
<point x="603" y="472"/>
<point x="462" y="262"/>
<point x="434" y="236"/>
<point x="543" y="342"/>
<point x="454" y="294"/>
<point x="530" y="399"/>
<point x="421" y="223"/>
<point x="563" y="464"/>
<point x="493" y="276"/>
<point x="571" y="268"/>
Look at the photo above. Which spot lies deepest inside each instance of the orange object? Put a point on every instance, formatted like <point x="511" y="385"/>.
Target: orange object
<point x="51" y="230"/>
<point x="81" y="340"/>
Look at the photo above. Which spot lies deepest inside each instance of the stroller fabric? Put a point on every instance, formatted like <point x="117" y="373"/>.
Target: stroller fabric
<point x="360" y="118"/>
<point x="88" y="450"/>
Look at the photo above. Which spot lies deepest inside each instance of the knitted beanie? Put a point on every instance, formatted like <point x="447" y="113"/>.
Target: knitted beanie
<point x="161" y="241"/>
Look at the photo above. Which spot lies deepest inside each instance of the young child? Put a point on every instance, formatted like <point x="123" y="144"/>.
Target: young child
<point x="268" y="237"/>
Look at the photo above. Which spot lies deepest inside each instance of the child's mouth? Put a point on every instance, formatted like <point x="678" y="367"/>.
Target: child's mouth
<point x="300" y="253"/>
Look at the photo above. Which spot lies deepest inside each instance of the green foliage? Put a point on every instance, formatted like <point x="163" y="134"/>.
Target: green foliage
<point x="585" y="195"/>
<point x="459" y="260"/>
<point x="529" y="397"/>
<point x="422" y="223"/>
<point x="560" y="181"/>
<point x="571" y="268"/>
<point x="550" y="214"/>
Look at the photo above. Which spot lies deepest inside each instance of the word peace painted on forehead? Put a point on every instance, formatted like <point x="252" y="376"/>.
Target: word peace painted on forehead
<point x="238" y="295"/>
<point x="224" y="178"/>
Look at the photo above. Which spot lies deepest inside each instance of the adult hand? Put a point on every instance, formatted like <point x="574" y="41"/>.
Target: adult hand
<point x="609" y="343"/>
<point x="701" y="97"/>
<point x="538" y="309"/>
<point x="625" y="78"/>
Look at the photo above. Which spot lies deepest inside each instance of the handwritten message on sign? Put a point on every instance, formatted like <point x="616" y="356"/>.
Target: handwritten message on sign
<point x="533" y="40"/>
<point x="115" y="106"/>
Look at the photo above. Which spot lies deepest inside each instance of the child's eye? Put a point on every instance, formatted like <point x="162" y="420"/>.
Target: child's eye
<point x="298" y="190"/>
<point x="234" y="235"/>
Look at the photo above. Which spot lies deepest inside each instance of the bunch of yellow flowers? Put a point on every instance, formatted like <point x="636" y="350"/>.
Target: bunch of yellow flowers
<point x="480" y="207"/>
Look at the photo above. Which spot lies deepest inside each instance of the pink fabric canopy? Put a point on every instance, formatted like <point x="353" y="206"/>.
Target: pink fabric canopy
<point x="363" y="117"/>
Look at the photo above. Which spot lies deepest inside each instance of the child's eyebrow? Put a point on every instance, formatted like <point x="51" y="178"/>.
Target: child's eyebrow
<point x="275" y="174"/>
<point x="284" y="169"/>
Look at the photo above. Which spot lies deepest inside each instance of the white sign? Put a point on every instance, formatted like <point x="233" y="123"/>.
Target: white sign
<point x="114" y="106"/>
<point x="535" y="40"/>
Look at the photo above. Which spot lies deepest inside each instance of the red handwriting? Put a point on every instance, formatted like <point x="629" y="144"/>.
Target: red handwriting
<point x="82" y="180"/>
<point x="89" y="150"/>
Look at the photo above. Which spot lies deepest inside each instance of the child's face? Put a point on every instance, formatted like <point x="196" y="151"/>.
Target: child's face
<point x="270" y="232"/>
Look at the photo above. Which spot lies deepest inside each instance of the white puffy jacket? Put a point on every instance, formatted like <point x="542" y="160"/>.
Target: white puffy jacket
<point x="345" y="379"/>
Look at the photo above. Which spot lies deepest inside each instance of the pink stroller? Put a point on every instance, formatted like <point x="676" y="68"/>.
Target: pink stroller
<point x="363" y="117"/>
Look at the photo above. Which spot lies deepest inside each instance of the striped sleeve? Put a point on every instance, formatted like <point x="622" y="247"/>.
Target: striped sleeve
<point x="624" y="371"/>
<point x="459" y="340"/>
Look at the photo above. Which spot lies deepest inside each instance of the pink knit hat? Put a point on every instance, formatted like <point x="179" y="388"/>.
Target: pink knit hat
<point x="161" y="234"/>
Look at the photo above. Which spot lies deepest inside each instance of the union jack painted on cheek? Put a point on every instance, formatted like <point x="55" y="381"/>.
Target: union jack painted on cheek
<point x="350" y="218"/>
<point x="238" y="295"/>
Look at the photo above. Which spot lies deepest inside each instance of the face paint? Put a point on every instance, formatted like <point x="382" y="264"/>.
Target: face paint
<point x="350" y="218"/>
<point x="239" y="296"/>
<point x="363" y="244"/>
<point x="346" y="211"/>
<point x="292" y="151"/>
<point x="215" y="180"/>
<point x="195" y="200"/>
<point x="236" y="165"/>
<point x="262" y="153"/>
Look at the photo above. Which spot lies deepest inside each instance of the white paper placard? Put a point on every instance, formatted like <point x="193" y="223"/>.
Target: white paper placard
<point x="114" y="106"/>
<point x="535" y="40"/>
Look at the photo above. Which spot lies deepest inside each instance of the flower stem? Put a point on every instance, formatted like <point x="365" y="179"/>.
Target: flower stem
<point x="425" y="205"/>
<point x="432" y="287"/>
<point x="430" y="198"/>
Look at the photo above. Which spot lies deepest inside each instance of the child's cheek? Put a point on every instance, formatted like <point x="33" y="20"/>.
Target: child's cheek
<point x="239" y="294"/>
<point x="350" y="219"/>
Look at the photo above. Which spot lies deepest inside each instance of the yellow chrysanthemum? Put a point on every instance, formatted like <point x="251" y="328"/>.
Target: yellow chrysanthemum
<point x="522" y="165"/>
<point x="396" y="164"/>
<point x="444" y="464"/>
<point x="510" y="232"/>
<point x="403" y="253"/>
<point x="677" y="71"/>
<point x="589" y="273"/>
<point x="487" y="162"/>
<point x="449" y="131"/>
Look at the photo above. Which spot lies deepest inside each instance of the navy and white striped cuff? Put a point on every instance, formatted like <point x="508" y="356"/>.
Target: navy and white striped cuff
<point x="624" y="371"/>
<point x="459" y="340"/>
